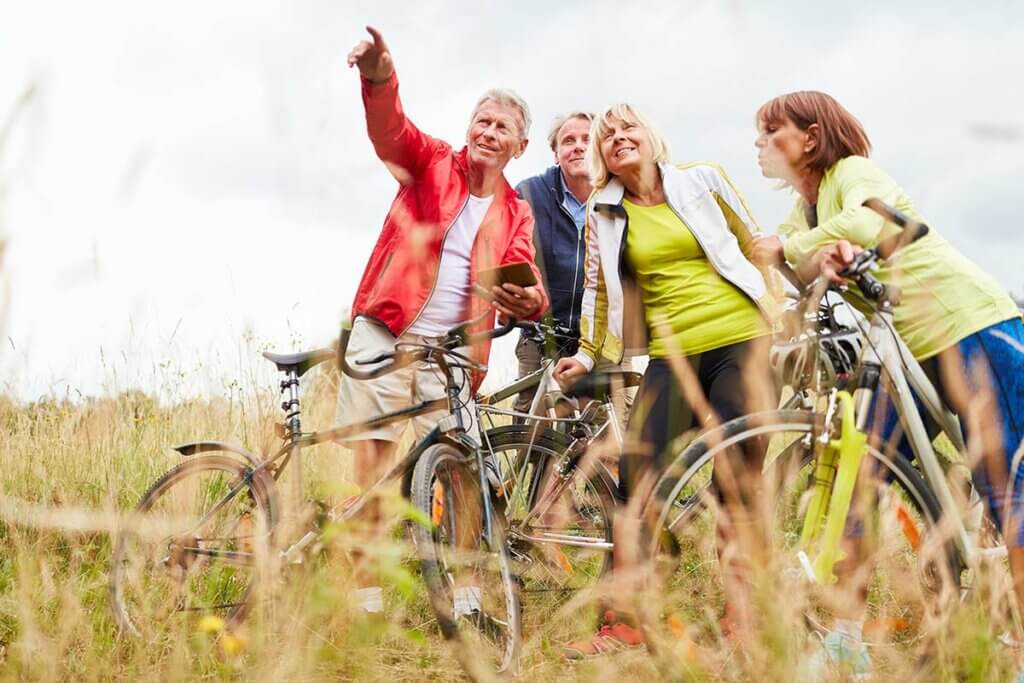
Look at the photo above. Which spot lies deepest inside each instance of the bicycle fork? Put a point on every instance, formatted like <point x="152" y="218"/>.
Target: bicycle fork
<point x="835" y="476"/>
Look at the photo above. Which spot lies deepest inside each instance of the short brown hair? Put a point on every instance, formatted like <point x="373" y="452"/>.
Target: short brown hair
<point x="842" y="135"/>
<point x="561" y="120"/>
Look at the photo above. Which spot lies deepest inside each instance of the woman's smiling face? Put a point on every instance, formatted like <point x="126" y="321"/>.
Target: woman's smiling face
<point x="625" y="145"/>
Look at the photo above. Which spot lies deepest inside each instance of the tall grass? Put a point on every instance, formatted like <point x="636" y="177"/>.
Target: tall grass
<point x="69" y="470"/>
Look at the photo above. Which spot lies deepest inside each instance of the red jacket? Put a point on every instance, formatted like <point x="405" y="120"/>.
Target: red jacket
<point x="433" y="190"/>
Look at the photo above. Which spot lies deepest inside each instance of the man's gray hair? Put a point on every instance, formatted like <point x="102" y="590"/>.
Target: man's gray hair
<point x="508" y="98"/>
<point x="561" y="120"/>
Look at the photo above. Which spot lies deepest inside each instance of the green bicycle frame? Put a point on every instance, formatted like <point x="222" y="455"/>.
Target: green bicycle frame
<point x="835" y="476"/>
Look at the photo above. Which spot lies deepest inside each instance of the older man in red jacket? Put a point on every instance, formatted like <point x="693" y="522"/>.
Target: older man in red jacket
<point x="454" y="215"/>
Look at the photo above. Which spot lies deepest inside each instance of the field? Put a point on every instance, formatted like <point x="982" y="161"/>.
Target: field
<point x="69" y="470"/>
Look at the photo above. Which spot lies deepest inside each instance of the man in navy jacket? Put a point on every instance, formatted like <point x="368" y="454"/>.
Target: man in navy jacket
<point x="558" y="197"/>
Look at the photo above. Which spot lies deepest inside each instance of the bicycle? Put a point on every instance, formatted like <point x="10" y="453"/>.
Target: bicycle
<point x="204" y="537"/>
<point x="558" y="497"/>
<point x="924" y="520"/>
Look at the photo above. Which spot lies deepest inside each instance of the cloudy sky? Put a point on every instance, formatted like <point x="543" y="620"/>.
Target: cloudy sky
<point x="183" y="184"/>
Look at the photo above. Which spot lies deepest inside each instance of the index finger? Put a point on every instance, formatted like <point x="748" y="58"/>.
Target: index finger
<point x="513" y="288"/>
<point x="378" y="40"/>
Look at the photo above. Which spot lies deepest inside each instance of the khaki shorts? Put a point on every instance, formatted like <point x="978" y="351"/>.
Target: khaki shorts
<point x="361" y="400"/>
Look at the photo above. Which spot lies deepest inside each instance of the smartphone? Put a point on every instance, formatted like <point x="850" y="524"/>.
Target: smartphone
<point x="518" y="273"/>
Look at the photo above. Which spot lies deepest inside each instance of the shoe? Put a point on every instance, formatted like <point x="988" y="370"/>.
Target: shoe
<point x="614" y="635"/>
<point x="839" y="653"/>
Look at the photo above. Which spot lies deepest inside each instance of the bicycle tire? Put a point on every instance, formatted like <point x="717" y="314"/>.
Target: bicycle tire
<point x="488" y="640"/>
<point x="679" y="503"/>
<point x="137" y="585"/>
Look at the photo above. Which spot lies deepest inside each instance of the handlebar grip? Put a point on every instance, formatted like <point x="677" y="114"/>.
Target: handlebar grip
<point x="872" y="289"/>
<point x="376" y="359"/>
<point x="470" y="339"/>
<point x="400" y="360"/>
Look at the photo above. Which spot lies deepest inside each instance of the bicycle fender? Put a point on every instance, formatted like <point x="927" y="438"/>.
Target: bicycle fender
<point x="211" y="446"/>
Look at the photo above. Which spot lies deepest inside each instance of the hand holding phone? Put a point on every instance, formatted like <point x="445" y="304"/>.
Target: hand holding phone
<point x="511" y="289"/>
<point x="519" y="273"/>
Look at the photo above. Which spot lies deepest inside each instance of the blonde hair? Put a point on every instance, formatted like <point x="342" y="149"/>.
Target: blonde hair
<point x="507" y="98"/>
<point x="601" y="128"/>
<point x="561" y="120"/>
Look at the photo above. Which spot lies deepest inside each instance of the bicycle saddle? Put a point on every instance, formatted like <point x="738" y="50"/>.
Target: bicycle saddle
<point x="301" y="362"/>
<point x="598" y="385"/>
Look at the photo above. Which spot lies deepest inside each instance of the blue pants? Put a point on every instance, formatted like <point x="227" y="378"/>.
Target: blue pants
<point x="999" y="351"/>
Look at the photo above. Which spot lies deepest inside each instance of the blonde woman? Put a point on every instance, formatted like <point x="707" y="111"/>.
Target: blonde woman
<point x="667" y="247"/>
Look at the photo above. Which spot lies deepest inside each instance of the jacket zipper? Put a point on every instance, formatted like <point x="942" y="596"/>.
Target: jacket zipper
<point x="575" y="278"/>
<point x="576" y="273"/>
<point x="434" y="284"/>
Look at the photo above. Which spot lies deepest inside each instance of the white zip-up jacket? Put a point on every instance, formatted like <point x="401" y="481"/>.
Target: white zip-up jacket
<point x="705" y="200"/>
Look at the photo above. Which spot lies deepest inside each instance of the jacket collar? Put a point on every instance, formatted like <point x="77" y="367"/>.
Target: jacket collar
<point x="553" y="179"/>
<point x="611" y="195"/>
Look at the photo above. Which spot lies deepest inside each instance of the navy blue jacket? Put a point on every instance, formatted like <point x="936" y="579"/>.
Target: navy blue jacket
<point x="560" y="246"/>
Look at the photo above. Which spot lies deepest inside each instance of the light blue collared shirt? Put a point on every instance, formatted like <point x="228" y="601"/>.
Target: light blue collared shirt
<point x="577" y="210"/>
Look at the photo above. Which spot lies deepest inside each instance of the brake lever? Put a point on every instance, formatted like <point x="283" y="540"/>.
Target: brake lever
<point x="861" y="263"/>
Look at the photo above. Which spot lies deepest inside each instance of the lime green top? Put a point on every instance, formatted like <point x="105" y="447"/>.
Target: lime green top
<point x="681" y="289"/>
<point x="944" y="296"/>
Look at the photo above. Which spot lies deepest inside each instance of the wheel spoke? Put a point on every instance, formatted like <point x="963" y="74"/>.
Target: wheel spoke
<point x="186" y="573"/>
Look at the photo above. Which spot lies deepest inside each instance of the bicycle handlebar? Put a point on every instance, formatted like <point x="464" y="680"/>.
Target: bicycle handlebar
<point x="857" y="270"/>
<point x="541" y="332"/>
<point x="912" y="231"/>
<point x="402" y="357"/>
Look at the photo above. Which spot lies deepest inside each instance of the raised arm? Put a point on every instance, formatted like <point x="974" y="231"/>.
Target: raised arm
<point x="403" y="147"/>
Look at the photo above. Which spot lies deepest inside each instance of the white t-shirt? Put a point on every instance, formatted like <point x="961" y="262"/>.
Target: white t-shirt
<point x="446" y="307"/>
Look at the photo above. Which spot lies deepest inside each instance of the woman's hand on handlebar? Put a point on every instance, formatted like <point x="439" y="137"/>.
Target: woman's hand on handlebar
<point x="834" y="258"/>
<point x="567" y="369"/>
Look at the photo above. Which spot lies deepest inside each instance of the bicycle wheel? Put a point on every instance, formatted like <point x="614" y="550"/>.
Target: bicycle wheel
<point x="463" y="566"/>
<point x="911" y="566"/>
<point x="191" y="547"/>
<point x="565" y="550"/>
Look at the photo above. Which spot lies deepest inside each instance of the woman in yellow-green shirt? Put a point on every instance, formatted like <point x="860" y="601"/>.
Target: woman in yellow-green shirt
<point x="678" y="237"/>
<point x="952" y="315"/>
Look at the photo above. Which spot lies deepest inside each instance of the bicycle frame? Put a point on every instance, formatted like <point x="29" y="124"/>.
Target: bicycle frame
<point x="886" y="355"/>
<point x="450" y="429"/>
<point x="541" y="412"/>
